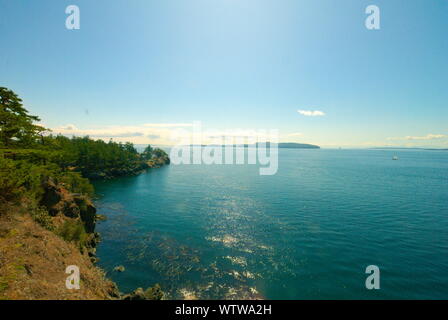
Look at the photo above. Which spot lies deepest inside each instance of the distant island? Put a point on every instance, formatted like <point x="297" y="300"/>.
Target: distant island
<point x="410" y="148"/>
<point x="280" y="145"/>
<point x="292" y="145"/>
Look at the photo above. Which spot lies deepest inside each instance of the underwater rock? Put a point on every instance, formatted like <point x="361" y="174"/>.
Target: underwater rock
<point x="101" y="217"/>
<point x="154" y="293"/>
<point x="119" y="269"/>
<point x="137" y="294"/>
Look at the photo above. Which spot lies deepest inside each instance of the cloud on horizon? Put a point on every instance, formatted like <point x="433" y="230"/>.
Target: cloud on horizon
<point x="311" y="113"/>
<point x="168" y="125"/>
<point x="165" y="134"/>
<point x="295" y="134"/>
<point x="157" y="133"/>
<point x="427" y="137"/>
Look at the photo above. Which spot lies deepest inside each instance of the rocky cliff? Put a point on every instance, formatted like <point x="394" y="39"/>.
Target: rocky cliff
<point x="38" y="244"/>
<point x="33" y="262"/>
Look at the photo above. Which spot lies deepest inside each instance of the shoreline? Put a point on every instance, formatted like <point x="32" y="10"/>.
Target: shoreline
<point x="152" y="293"/>
<point x="39" y="243"/>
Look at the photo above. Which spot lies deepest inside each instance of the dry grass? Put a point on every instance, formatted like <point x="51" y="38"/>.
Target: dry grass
<point x="33" y="262"/>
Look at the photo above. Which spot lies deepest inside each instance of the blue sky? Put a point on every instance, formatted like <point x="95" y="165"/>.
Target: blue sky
<point x="243" y="64"/>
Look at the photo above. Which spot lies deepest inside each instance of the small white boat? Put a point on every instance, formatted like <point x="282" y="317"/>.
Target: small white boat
<point x="395" y="158"/>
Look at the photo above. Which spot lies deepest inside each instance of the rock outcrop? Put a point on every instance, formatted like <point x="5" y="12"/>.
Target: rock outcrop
<point x="67" y="206"/>
<point x="59" y="201"/>
<point x="154" y="293"/>
<point x="119" y="269"/>
<point x="158" y="162"/>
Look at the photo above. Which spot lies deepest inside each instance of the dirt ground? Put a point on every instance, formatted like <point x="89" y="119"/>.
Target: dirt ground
<point x="33" y="264"/>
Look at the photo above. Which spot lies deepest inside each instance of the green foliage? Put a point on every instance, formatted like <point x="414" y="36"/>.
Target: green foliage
<point x="41" y="216"/>
<point x="73" y="231"/>
<point x="93" y="158"/>
<point x="16" y="125"/>
<point x="159" y="153"/>
<point x="98" y="159"/>
<point x="28" y="158"/>
<point x="10" y="183"/>
<point x="147" y="153"/>
<point x="76" y="183"/>
<point x="155" y="157"/>
<point x="22" y="178"/>
<point x="3" y="284"/>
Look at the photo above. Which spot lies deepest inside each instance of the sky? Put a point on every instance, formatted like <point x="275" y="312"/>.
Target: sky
<point x="137" y="69"/>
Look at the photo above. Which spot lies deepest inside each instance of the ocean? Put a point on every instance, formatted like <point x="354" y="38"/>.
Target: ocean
<point x="308" y="232"/>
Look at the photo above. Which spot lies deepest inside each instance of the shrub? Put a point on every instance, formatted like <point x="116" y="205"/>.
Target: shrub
<point x="76" y="183"/>
<point x="41" y="216"/>
<point x="73" y="231"/>
<point x="9" y="180"/>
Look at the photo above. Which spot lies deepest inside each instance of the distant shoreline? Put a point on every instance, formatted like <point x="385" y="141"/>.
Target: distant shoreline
<point x="410" y="148"/>
<point x="280" y="145"/>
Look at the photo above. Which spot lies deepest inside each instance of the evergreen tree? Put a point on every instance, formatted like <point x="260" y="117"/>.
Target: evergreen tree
<point x="16" y="125"/>
<point x="147" y="153"/>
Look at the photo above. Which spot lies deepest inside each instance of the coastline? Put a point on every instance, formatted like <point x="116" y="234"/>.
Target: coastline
<point x="151" y="293"/>
<point x="36" y="248"/>
<point x="47" y="216"/>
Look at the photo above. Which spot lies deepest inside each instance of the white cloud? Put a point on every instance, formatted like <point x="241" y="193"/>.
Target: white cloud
<point x="311" y="113"/>
<point x="295" y="134"/>
<point x="69" y="127"/>
<point x="162" y="134"/>
<point x="168" y="125"/>
<point x="141" y="134"/>
<point x="427" y="137"/>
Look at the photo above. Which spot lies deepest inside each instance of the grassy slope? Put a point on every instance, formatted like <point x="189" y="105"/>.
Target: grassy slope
<point x="33" y="262"/>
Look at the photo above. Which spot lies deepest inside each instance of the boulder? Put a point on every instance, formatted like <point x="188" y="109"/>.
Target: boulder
<point x="71" y="210"/>
<point x="137" y="294"/>
<point x="51" y="196"/>
<point x="154" y="293"/>
<point x="119" y="269"/>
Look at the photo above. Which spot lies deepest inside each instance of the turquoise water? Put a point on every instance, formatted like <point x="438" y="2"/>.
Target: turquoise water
<point x="308" y="232"/>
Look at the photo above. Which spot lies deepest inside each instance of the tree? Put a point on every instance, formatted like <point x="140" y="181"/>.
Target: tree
<point x="159" y="153"/>
<point x="147" y="153"/>
<point x="16" y="125"/>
